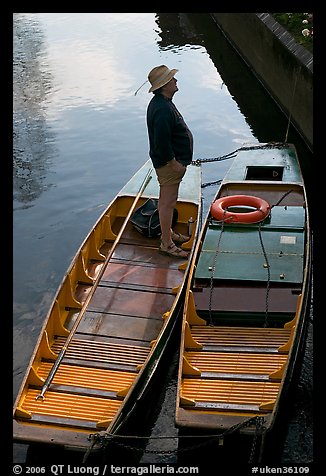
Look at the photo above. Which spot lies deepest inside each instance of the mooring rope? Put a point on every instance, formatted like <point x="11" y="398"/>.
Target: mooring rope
<point x="267" y="265"/>
<point x="212" y="269"/>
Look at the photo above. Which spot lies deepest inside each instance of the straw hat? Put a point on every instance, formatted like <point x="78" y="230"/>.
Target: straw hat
<point x="159" y="76"/>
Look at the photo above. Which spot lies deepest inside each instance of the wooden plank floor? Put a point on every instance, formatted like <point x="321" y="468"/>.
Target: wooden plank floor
<point x="246" y="339"/>
<point x="235" y="365"/>
<point x="113" y="338"/>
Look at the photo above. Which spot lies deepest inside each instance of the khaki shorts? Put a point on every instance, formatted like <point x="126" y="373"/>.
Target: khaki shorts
<point x="167" y="176"/>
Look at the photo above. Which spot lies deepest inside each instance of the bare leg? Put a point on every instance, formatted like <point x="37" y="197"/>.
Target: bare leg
<point x="167" y="201"/>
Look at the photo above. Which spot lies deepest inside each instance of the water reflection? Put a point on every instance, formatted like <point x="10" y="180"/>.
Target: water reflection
<point x="263" y="116"/>
<point x="176" y="31"/>
<point x="32" y="140"/>
<point x="198" y="30"/>
<point x="204" y="85"/>
<point x="92" y="66"/>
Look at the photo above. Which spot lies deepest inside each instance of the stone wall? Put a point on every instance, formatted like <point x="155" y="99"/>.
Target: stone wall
<point x="284" y="67"/>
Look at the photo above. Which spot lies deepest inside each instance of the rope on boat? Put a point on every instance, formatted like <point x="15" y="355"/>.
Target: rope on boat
<point x="267" y="265"/>
<point x="212" y="269"/>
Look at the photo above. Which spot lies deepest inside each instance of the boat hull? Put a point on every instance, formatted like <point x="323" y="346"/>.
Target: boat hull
<point x="247" y="298"/>
<point x="109" y="324"/>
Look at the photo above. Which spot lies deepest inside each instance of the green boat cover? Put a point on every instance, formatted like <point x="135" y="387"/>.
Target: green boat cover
<point x="243" y="252"/>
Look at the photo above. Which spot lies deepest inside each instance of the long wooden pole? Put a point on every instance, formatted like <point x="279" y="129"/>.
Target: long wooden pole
<point x="89" y="297"/>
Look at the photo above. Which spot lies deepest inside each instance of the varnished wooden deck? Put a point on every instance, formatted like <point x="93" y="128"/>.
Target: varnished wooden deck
<point x="113" y="339"/>
<point x="109" y="323"/>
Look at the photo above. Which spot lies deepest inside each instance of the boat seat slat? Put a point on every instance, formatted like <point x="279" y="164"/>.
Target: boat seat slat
<point x="238" y="348"/>
<point x="88" y="378"/>
<point x="98" y="364"/>
<point x="236" y="362"/>
<point x="234" y="376"/>
<point x="64" y="422"/>
<point x="245" y="336"/>
<point x="102" y="355"/>
<point x="103" y="350"/>
<point x="96" y="345"/>
<point x="69" y="407"/>
<point x="229" y="392"/>
<point x="225" y="406"/>
<point x="85" y="391"/>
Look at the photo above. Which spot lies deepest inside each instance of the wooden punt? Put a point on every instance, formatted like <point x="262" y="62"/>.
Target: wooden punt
<point x="247" y="297"/>
<point x="109" y="324"/>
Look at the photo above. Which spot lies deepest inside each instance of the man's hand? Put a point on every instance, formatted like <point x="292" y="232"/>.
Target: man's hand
<point x="177" y="166"/>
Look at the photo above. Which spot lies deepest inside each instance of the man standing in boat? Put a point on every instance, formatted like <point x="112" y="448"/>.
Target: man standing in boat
<point x="171" y="150"/>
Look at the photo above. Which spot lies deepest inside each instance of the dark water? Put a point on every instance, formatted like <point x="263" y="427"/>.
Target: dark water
<point x="80" y="134"/>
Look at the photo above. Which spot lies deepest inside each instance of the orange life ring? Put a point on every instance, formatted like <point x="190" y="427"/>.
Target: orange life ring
<point x="219" y="209"/>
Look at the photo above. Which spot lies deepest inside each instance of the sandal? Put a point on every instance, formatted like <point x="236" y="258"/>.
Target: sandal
<point x="173" y="251"/>
<point x="178" y="238"/>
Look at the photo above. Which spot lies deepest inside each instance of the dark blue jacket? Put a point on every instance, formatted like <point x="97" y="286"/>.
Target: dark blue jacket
<point x="169" y="135"/>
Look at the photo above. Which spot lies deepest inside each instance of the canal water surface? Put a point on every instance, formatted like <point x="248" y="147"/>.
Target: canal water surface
<point x="80" y="134"/>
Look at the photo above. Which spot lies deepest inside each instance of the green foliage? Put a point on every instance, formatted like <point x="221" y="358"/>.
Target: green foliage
<point x="299" y="25"/>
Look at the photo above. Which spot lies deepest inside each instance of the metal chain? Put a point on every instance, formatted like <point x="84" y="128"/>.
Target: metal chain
<point x="103" y="437"/>
<point x="270" y="145"/>
<point x="164" y="452"/>
<point x="259" y="428"/>
<point x="231" y="155"/>
<point x="207" y="184"/>
<point x="216" y="159"/>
